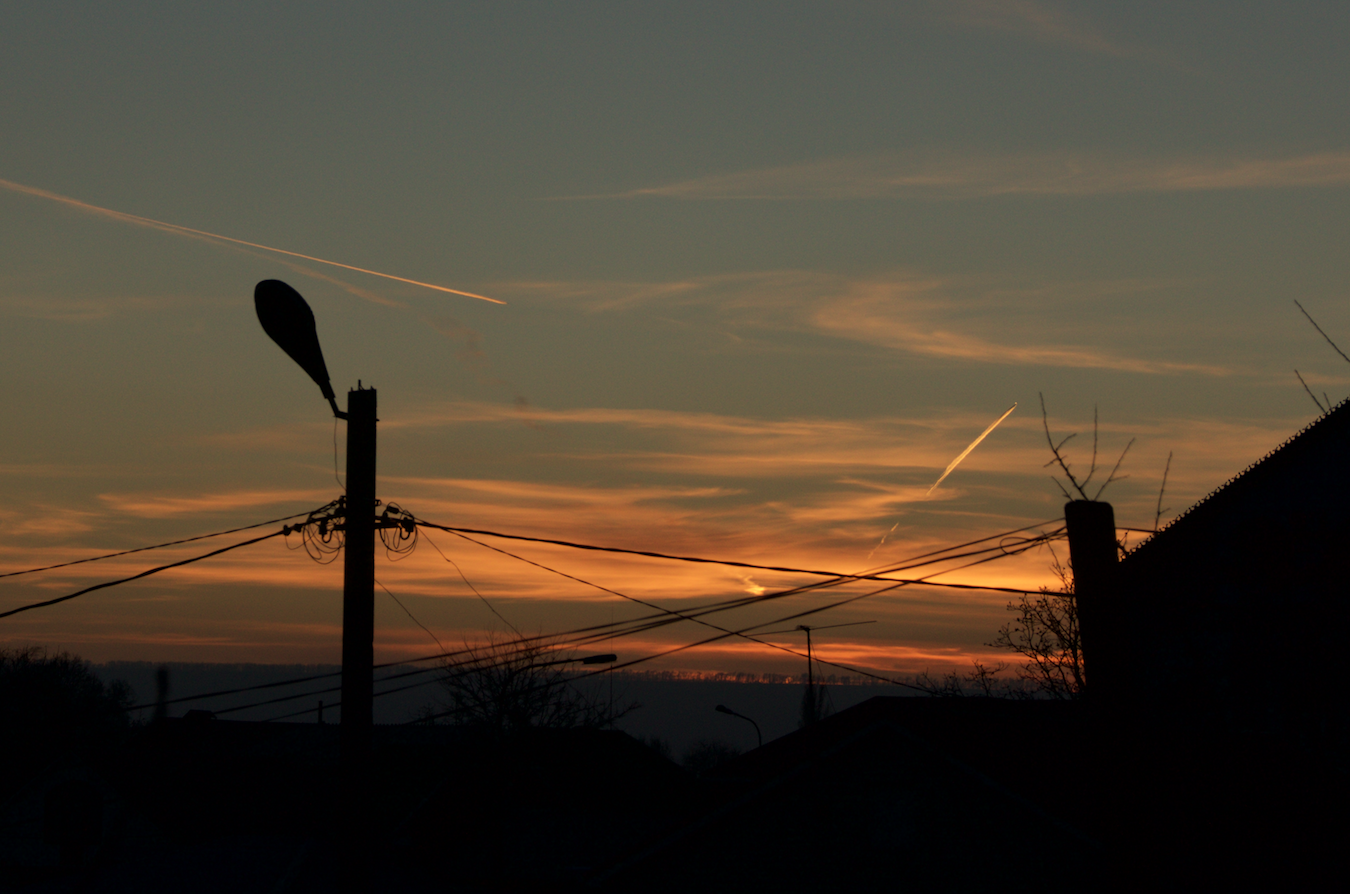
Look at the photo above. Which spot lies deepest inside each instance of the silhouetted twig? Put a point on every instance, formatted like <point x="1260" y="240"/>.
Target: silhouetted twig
<point x="1058" y="458"/>
<point x="1157" y="516"/>
<point x="1114" y="469"/>
<point x="1320" y="332"/>
<point x="1310" y="394"/>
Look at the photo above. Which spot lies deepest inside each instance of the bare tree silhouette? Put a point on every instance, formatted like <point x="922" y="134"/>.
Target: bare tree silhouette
<point x="1045" y="633"/>
<point x="506" y="686"/>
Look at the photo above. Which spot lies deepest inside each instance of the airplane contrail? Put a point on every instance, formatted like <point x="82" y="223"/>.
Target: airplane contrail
<point x="954" y="463"/>
<point x="176" y="228"/>
<point x="973" y="444"/>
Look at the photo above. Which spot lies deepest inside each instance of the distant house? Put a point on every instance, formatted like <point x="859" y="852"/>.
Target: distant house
<point x="1237" y="614"/>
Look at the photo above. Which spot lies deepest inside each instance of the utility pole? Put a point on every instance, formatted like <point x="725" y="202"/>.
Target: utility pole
<point x="358" y="589"/>
<point x="1093" y="554"/>
<point x="809" y="678"/>
<point x="358" y="639"/>
<point x="810" y="711"/>
<point x="288" y="321"/>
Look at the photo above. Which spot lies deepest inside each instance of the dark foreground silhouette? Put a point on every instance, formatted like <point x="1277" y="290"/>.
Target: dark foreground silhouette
<point x="937" y="794"/>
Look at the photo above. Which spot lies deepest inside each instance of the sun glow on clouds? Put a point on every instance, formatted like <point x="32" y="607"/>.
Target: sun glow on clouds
<point x="165" y="506"/>
<point x="805" y="492"/>
<point x="958" y="319"/>
<point x="953" y="177"/>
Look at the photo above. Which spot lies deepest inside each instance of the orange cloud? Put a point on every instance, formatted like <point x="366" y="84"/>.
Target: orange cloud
<point x="952" y="178"/>
<point x="917" y="313"/>
<point x="165" y="506"/>
<point x="1037" y="21"/>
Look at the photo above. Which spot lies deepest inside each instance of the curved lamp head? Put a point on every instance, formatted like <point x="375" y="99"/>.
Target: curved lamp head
<point x="289" y="322"/>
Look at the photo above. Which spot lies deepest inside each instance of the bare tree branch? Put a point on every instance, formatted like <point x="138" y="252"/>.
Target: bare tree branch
<point x="1114" y="469"/>
<point x="1092" y="469"/>
<point x="1320" y="332"/>
<point x="1059" y="457"/>
<point x="506" y="686"/>
<point x="1045" y="633"/>
<point x="1310" y="394"/>
<point x="1157" y="516"/>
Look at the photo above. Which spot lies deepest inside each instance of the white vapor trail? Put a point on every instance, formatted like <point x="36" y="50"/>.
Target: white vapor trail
<point x="973" y="444"/>
<point x="189" y="231"/>
<point x="954" y="463"/>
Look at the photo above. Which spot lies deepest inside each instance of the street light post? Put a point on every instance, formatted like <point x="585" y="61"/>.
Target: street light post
<point x="358" y="587"/>
<point x="288" y="321"/>
<point x="759" y="737"/>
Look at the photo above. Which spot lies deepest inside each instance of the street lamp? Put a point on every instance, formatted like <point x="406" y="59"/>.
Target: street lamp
<point x="810" y="703"/>
<point x="288" y="321"/>
<point x="723" y="709"/>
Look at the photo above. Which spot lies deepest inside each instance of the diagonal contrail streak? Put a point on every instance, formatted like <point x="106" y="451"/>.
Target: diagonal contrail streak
<point x="973" y="444"/>
<point x="181" y="230"/>
<point x="950" y="466"/>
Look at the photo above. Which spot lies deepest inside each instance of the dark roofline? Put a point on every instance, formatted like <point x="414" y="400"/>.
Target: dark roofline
<point x="764" y="770"/>
<point x="1227" y="487"/>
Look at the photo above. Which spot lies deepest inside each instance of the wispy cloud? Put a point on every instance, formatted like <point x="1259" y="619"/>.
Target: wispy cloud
<point x="878" y="313"/>
<point x="1062" y="174"/>
<point x="167" y="506"/>
<point x="1041" y="22"/>
<point x="964" y="319"/>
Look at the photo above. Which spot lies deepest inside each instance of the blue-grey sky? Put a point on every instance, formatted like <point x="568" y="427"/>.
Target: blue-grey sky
<point x="767" y="269"/>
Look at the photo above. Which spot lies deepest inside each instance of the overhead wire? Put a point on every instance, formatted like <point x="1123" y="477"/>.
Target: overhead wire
<point x="147" y="573"/>
<point x="492" y="608"/>
<point x="663" y="615"/>
<point x="703" y="642"/>
<point x="321" y="535"/>
<point x="400" y="604"/>
<point x="746" y="631"/>
<point x="141" y="549"/>
<point x="730" y="563"/>
<point x="591" y="634"/>
<point x="598" y="632"/>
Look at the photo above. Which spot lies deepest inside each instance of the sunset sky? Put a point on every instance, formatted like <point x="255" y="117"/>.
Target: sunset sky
<point x="768" y="268"/>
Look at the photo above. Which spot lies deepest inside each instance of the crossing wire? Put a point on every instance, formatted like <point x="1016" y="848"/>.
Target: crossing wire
<point x="141" y="549"/>
<point x="124" y="580"/>
<point x="734" y="564"/>
<point x="663" y="616"/>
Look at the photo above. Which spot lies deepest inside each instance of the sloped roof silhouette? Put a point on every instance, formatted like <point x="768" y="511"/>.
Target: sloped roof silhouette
<point x="1240" y="600"/>
<point x="1300" y="472"/>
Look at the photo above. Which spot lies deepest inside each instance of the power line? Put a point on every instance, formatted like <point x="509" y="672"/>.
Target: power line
<point x="399" y="603"/>
<point x="744" y="633"/>
<point x="472" y="660"/>
<point x="113" y="583"/>
<point x="706" y="641"/>
<point x="597" y="632"/>
<point x="492" y="608"/>
<point x="663" y="617"/>
<point x="727" y="562"/>
<point x="141" y="549"/>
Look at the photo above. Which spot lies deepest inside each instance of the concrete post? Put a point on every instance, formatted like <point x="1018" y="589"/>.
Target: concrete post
<point x="358" y="638"/>
<point x="1093" y="552"/>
